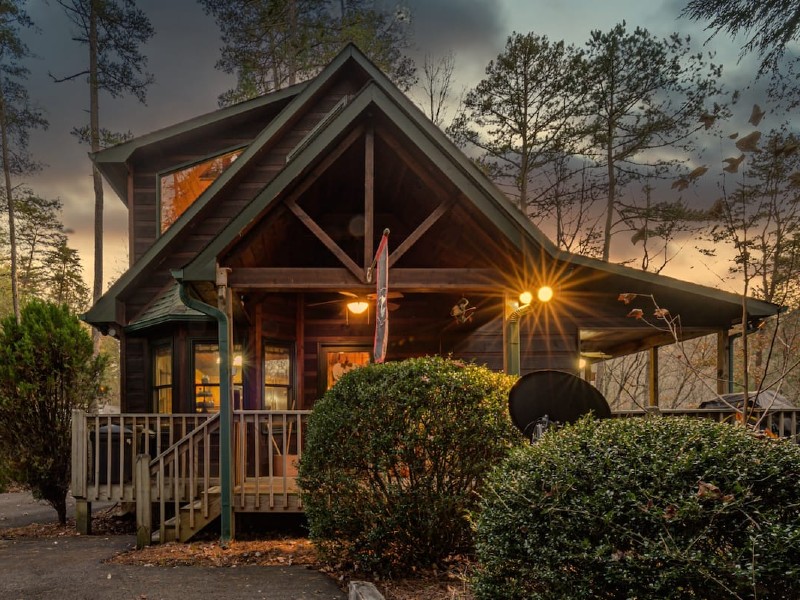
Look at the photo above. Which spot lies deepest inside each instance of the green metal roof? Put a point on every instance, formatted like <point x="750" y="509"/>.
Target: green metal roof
<point x="112" y="162"/>
<point x="166" y="308"/>
<point x="380" y="94"/>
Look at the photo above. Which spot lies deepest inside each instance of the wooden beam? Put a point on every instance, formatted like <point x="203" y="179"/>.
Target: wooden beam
<point x="258" y="356"/>
<point x="723" y="364"/>
<point x="412" y="162"/>
<point x="652" y="377"/>
<point x="369" y="195"/>
<point x="326" y="162"/>
<point x="420" y="230"/>
<point x="336" y="279"/>
<point x="306" y="219"/>
<point x="300" y="335"/>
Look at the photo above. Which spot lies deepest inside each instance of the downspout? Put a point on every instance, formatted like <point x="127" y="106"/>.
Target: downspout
<point x="226" y="483"/>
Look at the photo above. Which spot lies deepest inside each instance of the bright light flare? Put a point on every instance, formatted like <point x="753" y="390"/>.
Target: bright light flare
<point x="525" y="298"/>
<point x="545" y="293"/>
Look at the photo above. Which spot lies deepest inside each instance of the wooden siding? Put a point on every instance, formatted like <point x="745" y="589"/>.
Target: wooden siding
<point x="211" y="221"/>
<point x="135" y="396"/>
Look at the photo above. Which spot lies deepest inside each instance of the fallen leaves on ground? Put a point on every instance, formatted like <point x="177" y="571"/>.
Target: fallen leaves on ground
<point x="284" y="551"/>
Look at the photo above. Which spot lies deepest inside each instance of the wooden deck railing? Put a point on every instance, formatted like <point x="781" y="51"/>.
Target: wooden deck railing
<point x="783" y="423"/>
<point x="268" y="446"/>
<point x="183" y="473"/>
<point x="179" y="462"/>
<point x="104" y="449"/>
<point x="184" y="457"/>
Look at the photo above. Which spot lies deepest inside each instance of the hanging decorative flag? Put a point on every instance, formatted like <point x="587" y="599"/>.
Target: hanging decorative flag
<point x="381" y="298"/>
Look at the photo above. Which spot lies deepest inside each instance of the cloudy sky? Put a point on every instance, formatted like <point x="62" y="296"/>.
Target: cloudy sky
<point x="185" y="48"/>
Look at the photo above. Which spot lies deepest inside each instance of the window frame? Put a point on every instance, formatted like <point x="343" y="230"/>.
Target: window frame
<point x="291" y="387"/>
<point x="193" y="385"/>
<point x="324" y="351"/>
<point x="155" y="388"/>
<point x="180" y="167"/>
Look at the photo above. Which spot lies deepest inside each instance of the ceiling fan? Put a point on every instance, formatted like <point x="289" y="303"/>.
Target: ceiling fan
<point x="358" y="304"/>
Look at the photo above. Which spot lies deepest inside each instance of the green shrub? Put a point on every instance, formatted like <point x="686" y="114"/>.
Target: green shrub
<point x="46" y="369"/>
<point x="643" y="508"/>
<point x="394" y="455"/>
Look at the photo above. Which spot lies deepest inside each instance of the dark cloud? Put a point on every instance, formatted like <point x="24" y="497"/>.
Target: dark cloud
<point x="467" y="27"/>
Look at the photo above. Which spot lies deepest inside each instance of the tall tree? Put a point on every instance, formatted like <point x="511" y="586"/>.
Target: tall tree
<point x="436" y="83"/>
<point x="519" y="116"/>
<point x="760" y="218"/>
<point x="271" y="44"/>
<point x="65" y="277"/>
<point x="769" y="25"/>
<point x="17" y="118"/>
<point x="646" y="94"/>
<point x="40" y="232"/>
<point x="113" y="31"/>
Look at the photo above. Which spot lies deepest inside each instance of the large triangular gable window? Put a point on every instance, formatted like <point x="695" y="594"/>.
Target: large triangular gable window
<point x="181" y="187"/>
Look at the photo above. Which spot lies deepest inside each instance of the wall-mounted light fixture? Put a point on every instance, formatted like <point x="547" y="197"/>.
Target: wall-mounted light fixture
<point x="544" y="294"/>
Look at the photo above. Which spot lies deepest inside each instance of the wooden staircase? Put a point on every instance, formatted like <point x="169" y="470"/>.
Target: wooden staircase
<point x="193" y="517"/>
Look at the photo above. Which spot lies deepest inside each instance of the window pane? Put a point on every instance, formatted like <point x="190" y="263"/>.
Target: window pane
<point x="276" y="398"/>
<point x="162" y="378"/>
<point x="163" y="366"/>
<point x="181" y="188"/>
<point x="206" y="377"/>
<point x="277" y="377"/>
<point x="276" y="366"/>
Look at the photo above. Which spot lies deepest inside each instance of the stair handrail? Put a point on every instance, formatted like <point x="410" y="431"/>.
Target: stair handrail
<point x="169" y="458"/>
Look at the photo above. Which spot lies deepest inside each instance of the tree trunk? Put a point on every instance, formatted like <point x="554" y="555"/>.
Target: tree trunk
<point x="12" y="233"/>
<point x="94" y="126"/>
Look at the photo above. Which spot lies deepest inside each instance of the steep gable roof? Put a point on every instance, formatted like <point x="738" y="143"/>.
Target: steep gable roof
<point x="104" y="311"/>
<point x="379" y="94"/>
<point x="112" y="162"/>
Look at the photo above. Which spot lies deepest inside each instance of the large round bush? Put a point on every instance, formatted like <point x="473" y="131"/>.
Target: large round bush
<point x="656" y="508"/>
<point x="394" y="455"/>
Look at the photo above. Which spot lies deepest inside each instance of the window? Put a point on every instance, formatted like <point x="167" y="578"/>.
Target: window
<point x="206" y="376"/>
<point x="335" y="361"/>
<point x="162" y="378"/>
<point x="180" y="188"/>
<point x="278" y="377"/>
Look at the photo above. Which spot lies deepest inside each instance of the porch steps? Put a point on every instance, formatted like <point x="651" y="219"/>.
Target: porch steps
<point x="190" y="520"/>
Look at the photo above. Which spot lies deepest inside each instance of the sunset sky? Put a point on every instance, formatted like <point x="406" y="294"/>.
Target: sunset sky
<point x="185" y="48"/>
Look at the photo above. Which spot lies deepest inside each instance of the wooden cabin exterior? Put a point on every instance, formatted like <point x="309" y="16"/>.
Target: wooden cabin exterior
<point x="251" y="229"/>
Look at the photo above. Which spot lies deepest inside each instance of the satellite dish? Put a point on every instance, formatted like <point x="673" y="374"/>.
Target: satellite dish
<point x="553" y="397"/>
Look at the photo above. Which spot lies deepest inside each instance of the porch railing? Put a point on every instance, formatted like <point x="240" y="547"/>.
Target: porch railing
<point x="268" y="446"/>
<point x="782" y="423"/>
<point x="184" y="457"/>
<point x="104" y="449"/>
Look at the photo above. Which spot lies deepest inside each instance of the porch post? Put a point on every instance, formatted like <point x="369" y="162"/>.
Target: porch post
<point x="511" y="338"/>
<point x="723" y="362"/>
<point x="652" y="377"/>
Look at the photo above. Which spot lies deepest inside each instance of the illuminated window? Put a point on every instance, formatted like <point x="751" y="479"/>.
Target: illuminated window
<point x="206" y="377"/>
<point x="277" y="378"/>
<point x="180" y="188"/>
<point x="162" y="378"/>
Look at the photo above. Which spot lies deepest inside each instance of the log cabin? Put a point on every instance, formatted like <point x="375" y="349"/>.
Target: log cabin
<point x="253" y="233"/>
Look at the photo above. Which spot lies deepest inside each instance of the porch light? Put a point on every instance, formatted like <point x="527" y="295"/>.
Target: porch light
<point x="357" y="306"/>
<point x="545" y="293"/>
